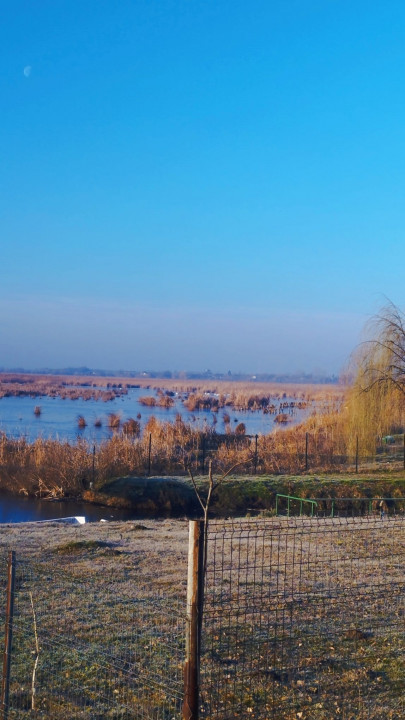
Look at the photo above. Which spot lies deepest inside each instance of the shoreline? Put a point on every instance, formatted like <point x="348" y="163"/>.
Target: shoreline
<point x="173" y="497"/>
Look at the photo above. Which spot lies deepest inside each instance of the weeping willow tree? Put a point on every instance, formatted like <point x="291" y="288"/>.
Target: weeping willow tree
<point x="376" y="401"/>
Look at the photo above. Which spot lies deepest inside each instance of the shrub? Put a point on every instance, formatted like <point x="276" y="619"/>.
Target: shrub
<point x="114" y="421"/>
<point x="131" y="428"/>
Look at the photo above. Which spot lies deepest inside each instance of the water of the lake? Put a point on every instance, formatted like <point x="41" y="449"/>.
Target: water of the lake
<point x="16" y="509"/>
<point x="58" y="418"/>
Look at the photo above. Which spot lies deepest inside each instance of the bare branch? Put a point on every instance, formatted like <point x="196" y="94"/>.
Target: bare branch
<point x="196" y="490"/>
<point x="228" y="472"/>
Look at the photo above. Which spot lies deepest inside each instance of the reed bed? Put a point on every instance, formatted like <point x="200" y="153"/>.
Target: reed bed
<point x="53" y="469"/>
<point x="207" y="394"/>
<point x="25" y="385"/>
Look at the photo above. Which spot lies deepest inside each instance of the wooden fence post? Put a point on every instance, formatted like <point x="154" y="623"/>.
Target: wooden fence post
<point x="195" y="586"/>
<point x="8" y="635"/>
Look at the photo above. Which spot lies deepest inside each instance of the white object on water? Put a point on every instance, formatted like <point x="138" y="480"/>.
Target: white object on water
<point x="75" y="520"/>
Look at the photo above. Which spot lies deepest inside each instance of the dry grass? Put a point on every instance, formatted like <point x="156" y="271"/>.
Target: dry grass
<point x="303" y="619"/>
<point x="157" y="548"/>
<point x="105" y="628"/>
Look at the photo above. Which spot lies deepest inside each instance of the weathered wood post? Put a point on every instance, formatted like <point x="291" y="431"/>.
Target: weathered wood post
<point x="195" y="589"/>
<point x="8" y="635"/>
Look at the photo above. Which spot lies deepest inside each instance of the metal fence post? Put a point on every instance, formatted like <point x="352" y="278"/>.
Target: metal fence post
<point x="306" y="451"/>
<point x="149" y="452"/>
<point x="8" y="635"/>
<point x="202" y="453"/>
<point x="195" y="581"/>
<point x="256" y="439"/>
<point x="93" y="469"/>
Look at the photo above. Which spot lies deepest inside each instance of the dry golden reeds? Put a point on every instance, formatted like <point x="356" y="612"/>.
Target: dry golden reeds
<point x="147" y="400"/>
<point x="49" y="468"/>
<point x="131" y="428"/>
<point x="114" y="421"/>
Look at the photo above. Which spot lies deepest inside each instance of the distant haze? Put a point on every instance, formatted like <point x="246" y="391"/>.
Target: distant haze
<point x="45" y="334"/>
<point x="191" y="185"/>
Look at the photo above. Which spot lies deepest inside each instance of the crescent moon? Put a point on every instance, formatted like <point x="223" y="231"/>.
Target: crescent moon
<point x="27" y="70"/>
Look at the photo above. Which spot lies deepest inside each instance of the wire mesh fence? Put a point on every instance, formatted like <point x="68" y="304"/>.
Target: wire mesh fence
<point x="93" y="647"/>
<point x="265" y="454"/>
<point x="304" y="618"/>
<point x="358" y="506"/>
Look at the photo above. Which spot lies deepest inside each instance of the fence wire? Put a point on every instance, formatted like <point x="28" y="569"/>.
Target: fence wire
<point x="94" y="647"/>
<point x="304" y="618"/>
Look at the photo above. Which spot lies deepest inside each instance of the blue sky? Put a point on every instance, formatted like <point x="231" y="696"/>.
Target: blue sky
<point x="189" y="184"/>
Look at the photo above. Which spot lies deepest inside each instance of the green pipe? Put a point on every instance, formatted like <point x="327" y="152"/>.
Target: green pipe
<point x="313" y="503"/>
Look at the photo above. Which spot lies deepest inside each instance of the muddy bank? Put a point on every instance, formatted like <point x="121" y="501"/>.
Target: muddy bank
<point x="149" y="497"/>
<point x="130" y="497"/>
<point x="175" y="497"/>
